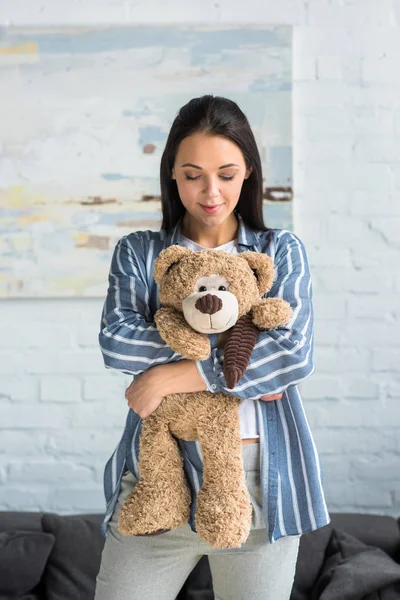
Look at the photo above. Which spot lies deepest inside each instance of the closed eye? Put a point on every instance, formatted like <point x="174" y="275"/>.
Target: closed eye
<point x="198" y="177"/>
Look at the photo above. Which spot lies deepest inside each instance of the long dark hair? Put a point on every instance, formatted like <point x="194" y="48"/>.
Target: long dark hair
<point x="214" y="115"/>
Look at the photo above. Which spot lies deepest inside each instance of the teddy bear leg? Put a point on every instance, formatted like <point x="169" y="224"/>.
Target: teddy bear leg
<point x="224" y="510"/>
<point x="161" y="498"/>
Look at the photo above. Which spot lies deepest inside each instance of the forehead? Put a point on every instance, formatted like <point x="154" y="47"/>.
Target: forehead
<point x="208" y="151"/>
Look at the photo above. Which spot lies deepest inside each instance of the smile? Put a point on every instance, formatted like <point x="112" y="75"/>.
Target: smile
<point x="226" y="324"/>
<point x="211" y="209"/>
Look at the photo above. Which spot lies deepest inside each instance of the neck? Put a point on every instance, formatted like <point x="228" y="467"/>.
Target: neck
<point x="210" y="237"/>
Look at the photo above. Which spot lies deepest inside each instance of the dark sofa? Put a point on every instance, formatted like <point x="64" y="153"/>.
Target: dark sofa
<point x="45" y="556"/>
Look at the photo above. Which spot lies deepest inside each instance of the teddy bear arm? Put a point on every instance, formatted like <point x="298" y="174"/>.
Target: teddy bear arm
<point x="179" y="336"/>
<point x="238" y="349"/>
<point x="270" y="313"/>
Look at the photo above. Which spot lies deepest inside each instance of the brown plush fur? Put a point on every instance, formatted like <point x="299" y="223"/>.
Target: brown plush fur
<point x="269" y="311"/>
<point x="179" y="281"/>
<point x="161" y="499"/>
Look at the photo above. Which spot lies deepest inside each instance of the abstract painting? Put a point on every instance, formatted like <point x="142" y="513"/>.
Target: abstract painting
<point x="85" y="117"/>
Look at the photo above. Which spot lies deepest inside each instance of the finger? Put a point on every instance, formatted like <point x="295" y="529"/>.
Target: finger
<point x="131" y="407"/>
<point x="271" y="397"/>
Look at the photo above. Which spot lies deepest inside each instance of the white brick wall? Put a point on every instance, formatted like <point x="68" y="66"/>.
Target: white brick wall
<point x="61" y="413"/>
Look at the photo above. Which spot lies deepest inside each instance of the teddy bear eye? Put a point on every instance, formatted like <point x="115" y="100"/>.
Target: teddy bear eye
<point x="222" y="288"/>
<point x="202" y="288"/>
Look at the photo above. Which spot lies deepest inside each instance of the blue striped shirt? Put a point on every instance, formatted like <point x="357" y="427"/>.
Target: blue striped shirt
<point x="291" y="478"/>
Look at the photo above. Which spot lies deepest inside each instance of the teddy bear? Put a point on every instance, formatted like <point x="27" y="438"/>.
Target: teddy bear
<point x="200" y="293"/>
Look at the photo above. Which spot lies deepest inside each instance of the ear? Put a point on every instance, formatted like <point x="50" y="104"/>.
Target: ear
<point x="262" y="267"/>
<point x="168" y="257"/>
<point x="248" y="172"/>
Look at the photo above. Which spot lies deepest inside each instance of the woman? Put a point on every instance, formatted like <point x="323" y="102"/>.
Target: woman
<point x="211" y="190"/>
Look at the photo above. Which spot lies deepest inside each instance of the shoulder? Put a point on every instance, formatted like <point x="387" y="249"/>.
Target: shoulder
<point x="146" y="236"/>
<point x="134" y="253"/>
<point x="139" y="242"/>
<point x="279" y="243"/>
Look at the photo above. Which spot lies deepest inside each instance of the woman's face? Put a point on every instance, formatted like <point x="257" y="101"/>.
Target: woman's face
<point x="209" y="172"/>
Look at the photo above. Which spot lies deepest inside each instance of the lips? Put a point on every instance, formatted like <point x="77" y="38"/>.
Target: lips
<point x="210" y="209"/>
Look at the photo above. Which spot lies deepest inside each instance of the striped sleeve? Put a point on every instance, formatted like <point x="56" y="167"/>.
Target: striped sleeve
<point x="129" y="339"/>
<point x="281" y="357"/>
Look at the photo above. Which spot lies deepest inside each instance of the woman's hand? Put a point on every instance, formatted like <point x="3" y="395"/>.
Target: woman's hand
<point x="144" y="394"/>
<point x="270" y="397"/>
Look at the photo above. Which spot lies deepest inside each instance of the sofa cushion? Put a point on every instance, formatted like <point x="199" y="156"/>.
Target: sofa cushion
<point x="376" y="530"/>
<point x="23" y="557"/>
<point x="352" y="569"/>
<point x="20" y="521"/>
<point x="23" y="597"/>
<point x="75" y="559"/>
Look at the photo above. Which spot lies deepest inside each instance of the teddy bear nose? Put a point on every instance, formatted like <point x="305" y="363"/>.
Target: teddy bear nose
<point x="209" y="304"/>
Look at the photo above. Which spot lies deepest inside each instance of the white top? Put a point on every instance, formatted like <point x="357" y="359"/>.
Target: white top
<point x="247" y="407"/>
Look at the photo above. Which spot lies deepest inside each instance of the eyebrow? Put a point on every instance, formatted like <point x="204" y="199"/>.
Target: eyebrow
<point x="201" y="168"/>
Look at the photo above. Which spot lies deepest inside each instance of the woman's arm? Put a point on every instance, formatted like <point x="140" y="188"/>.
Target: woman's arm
<point x="129" y="339"/>
<point x="281" y="357"/>
<point x="146" y="392"/>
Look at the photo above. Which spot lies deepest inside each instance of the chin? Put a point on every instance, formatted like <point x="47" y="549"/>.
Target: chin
<point x="217" y="219"/>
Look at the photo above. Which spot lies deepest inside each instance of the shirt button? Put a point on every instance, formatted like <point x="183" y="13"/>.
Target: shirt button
<point x="213" y="387"/>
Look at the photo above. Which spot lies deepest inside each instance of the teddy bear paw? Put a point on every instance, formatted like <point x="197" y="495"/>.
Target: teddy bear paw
<point x="146" y="511"/>
<point x="224" y="519"/>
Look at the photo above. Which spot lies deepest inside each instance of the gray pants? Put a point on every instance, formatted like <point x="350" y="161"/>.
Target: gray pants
<point x="155" y="568"/>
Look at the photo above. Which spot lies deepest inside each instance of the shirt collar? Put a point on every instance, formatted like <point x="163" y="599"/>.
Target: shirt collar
<point x="247" y="237"/>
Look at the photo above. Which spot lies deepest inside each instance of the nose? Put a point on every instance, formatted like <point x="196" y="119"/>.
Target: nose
<point x="209" y="304"/>
<point x="212" y="190"/>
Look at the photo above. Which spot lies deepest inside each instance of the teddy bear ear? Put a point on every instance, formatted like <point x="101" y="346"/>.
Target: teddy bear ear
<point x="263" y="269"/>
<point x="168" y="257"/>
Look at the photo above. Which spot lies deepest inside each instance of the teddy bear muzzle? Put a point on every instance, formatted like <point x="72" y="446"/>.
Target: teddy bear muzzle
<point x="209" y="304"/>
<point x="211" y="312"/>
